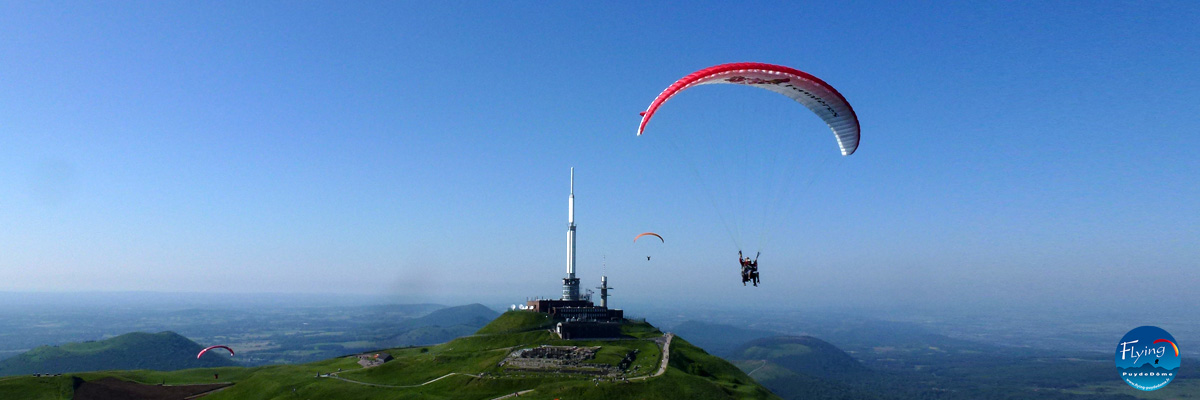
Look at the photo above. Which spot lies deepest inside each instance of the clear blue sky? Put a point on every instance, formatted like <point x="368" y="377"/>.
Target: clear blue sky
<point x="1011" y="153"/>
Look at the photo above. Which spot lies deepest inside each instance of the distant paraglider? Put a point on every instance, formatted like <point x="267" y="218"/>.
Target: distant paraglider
<point x="206" y="349"/>
<point x="660" y="238"/>
<point x="635" y="238"/>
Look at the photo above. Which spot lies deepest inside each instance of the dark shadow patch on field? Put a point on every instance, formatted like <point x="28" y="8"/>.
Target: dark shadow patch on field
<point x="116" y="389"/>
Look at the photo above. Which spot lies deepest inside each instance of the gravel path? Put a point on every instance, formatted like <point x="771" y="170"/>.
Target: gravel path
<point x="334" y="376"/>
<point x="666" y="360"/>
<point x="764" y="363"/>
<point x="513" y="395"/>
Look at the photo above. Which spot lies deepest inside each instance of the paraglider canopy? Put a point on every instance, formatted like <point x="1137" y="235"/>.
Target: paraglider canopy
<point x="635" y="238"/>
<point x="752" y="174"/>
<point x="206" y="349"/>
<point x="818" y="96"/>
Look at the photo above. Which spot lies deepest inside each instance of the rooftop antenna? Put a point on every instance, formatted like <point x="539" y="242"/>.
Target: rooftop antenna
<point x="604" y="288"/>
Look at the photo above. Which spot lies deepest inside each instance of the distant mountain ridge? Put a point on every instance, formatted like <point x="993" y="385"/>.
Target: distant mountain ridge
<point x="163" y="351"/>
<point x="441" y="326"/>
<point x="476" y="315"/>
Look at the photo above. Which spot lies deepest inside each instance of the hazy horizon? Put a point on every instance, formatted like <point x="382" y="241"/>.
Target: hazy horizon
<point x="70" y="317"/>
<point x="35" y="301"/>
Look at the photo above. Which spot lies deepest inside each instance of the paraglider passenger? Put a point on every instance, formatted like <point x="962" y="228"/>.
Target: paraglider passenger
<point x="754" y="268"/>
<point x="749" y="268"/>
<point x="745" y="268"/>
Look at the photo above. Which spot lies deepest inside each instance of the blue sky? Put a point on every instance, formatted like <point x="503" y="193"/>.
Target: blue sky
<point x="1035" y="154"/>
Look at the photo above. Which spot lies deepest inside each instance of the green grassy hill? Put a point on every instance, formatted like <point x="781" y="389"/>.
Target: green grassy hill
<point x="518" y="322"/>
<point x="719" y="339"/>
<point x="804" y="367"/>
<point x="804" y="355"/>
<point x="164" y="351"/>
<point x="464" y="368"/>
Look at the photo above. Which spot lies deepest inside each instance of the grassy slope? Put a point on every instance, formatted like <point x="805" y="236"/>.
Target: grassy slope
<point x="640" y="330"/>
<point x="27" y="387"/>
<point x="693" y="373"/>
<point x="517" y="321"/>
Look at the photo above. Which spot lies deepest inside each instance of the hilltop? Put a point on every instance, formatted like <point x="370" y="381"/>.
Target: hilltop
<point x="163" y="351"/>
<point x="644" y="363"/>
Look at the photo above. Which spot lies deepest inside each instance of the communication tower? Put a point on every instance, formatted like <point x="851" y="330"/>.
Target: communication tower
<point x="571" y="283"/>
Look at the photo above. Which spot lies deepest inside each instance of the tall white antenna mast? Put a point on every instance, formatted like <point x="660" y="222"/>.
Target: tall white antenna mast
<point x="571" y="283"/>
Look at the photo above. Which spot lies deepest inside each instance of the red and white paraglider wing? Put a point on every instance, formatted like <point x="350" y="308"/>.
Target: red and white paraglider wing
<point x="660" y="238"/>
<point x="805" y="89"/>
<point x="206" y="349"/>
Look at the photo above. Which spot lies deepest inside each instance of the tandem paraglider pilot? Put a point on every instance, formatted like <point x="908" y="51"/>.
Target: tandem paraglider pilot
<point x="749" y="268"/>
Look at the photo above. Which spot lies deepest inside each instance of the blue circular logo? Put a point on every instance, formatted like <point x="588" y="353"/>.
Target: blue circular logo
<point x="1147" y="358"/>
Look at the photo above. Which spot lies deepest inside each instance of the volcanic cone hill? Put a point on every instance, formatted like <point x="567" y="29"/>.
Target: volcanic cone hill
<point x="803" y="367"/>
<point x="805" y="355"/>
<point x="515" y="353"/>
<point x="163" y="351"/>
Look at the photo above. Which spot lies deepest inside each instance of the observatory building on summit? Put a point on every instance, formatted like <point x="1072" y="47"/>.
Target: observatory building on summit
<point x="581" y="318"/>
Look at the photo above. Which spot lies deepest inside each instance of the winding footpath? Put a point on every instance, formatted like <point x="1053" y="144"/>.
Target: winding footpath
<point x="334" y="376"/>
<point x="666" y="359"/>
<point x="764" y="363"/>
<point x="517" y="394"/>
